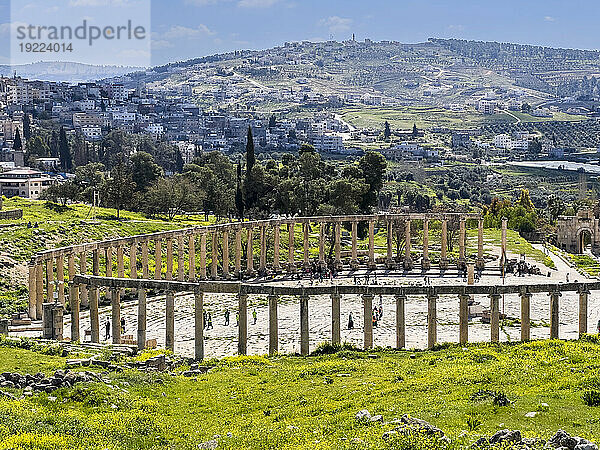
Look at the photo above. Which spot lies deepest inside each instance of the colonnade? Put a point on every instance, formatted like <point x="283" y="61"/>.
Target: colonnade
<point x="189" y="250"/>
<point x="304" y="294"/>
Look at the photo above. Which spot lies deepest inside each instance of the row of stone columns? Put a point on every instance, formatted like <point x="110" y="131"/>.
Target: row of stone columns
<point x="367" y="299"/>
<point x="40" y="287"/>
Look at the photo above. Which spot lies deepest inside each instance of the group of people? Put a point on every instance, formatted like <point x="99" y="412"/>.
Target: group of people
<point x="377" y="315"/>
<point x="107" y="328"/>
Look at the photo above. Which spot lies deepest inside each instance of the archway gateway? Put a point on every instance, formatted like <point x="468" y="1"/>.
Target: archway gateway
<point x="575" y="233"/>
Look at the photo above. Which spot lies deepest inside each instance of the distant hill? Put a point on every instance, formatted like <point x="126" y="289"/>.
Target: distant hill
<point x="71" y="72"/>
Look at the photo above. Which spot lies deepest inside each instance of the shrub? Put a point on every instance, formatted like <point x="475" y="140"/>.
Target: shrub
<point x="591" y="397"/>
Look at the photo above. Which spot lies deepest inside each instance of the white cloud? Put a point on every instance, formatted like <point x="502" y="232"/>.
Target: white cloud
<point x="549" y="19"/>
<point x="103" y="3"/>
<point x="239" y="3"/>
<point x="456" y="27"/>
<point x="179" y="32"/>
<point x="7" y="27"/>
<point x="336" y="24"/>
<point x="256" y="3"/>
<point x="160" y="44"/>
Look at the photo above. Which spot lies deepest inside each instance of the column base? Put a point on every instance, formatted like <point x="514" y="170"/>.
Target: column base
<point x="390" y="264"/>
<point x="462" y="264"/>
<point x="354" y="264"/>
<point x="444" y="264"/>
<point x="426" y="264"/>
<point x="408" y="264"/>
<point x="291" y="268"/>
<point x="480" y="264"/>
<point x="372" y="265"/>
<point x="250" y="272"/>
<point x="338" y="265"/>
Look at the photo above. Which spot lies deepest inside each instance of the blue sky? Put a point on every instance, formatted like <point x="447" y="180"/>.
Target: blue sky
<point x="183" y="29"/>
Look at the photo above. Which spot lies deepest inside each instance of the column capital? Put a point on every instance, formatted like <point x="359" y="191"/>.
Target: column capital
<point x="555" y="293"/>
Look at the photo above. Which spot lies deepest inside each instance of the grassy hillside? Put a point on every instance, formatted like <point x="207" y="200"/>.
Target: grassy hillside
<point x="56" y="227"/>
<point x="289" y="402"/>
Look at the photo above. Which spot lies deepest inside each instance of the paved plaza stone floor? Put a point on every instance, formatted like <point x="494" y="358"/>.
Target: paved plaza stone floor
<point x="221" y="340"/>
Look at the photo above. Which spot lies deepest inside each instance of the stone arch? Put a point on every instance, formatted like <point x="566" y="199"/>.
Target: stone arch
<point x="582" y="232"/>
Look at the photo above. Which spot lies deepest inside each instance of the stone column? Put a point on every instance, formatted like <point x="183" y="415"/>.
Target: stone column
<point x="273" y="333"/>
<point x="249" y="253"/>
<point x="408" y="262"/>
<point x="463" y="318"/>
<point x="400" y="321"/>
<point x="133" y="260"/>
<point x="96" y="262"/>
<point x="120" y="262"/>
<point x="335" y="319"/>
<point x="108" y="267"/>
<point x="426" y="264"/>
<point x="431" y="320"/>
<point x="169" y="259"/>
<point x="115" y="302"/>
<point x="263" y="249"/>
<point x="444" y="246"/>
<point x="94" y="315"/>
<point x="141" y="322"/>
<point x="480" y="260"/>
<point x="372" y="264"/>
<point x="503" y="255"/>
<point x="199" y="326"/>
<point x="60" y="278"/>
<point x="226" y="253"/>
<point x="39" y="290"/>
<point x="71" y="267"/>
<point x="554" y="297"/>
<point x="368" y="320"/>
<point x="338" y="246"/>
<point x="214" y="259"/>
<point x="203" y="255"/>
<point x="180" y="259"/>
<point x="74" y="303"/>
<point x="583" y="310"/>
<point x="238" y="251"/>
<point x="170" y="322"/>
<point x="354" y="260"/>
<point x="304" y="333"/>
<point x="495" y="317"/>
<point x="192" y="257"/>
<point x="157" y="259"/>
<point x="322" y="262"/>
<point x="389" y="261"/>
<point x="291" y="263"/>
<point x="49" y="281"/>
<point x="32" y="292"/>
<point x="306" y="245"/>
<point x="243" y="323"/>
<point x="83" y="291"/>
<point x="276" y="245"/>
<point x="525" y="316"/>
<point x="145" y="264"/>
<point x="462" y="260"/>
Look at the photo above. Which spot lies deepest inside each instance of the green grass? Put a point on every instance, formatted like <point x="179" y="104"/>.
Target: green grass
<point x="288" y="402"/>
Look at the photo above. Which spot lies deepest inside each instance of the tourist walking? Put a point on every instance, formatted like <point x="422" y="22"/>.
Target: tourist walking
<point x="122" y="325"/>
<point x="226" y="317"/>
<point x="107" y="330"/>
<point x="350" y="322"/>
<point x="204" y="319"/>
<point x="254" y="315"/>
<point x="210" y="324"/>
<point x="237" y="319"/>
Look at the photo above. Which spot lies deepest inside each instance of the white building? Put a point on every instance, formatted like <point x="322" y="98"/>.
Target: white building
<point x="328" y="143"/>
<point x="487" y="106"/>
<point x="24" y="182"/>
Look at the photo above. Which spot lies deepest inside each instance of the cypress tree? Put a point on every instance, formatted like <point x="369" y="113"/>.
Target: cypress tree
<point x="64" y="152"/>
<point x="239" y="195"/>
<point x="250" y="157"/>
<point x="26" y="127"/>
<point x="17" y="144"/>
